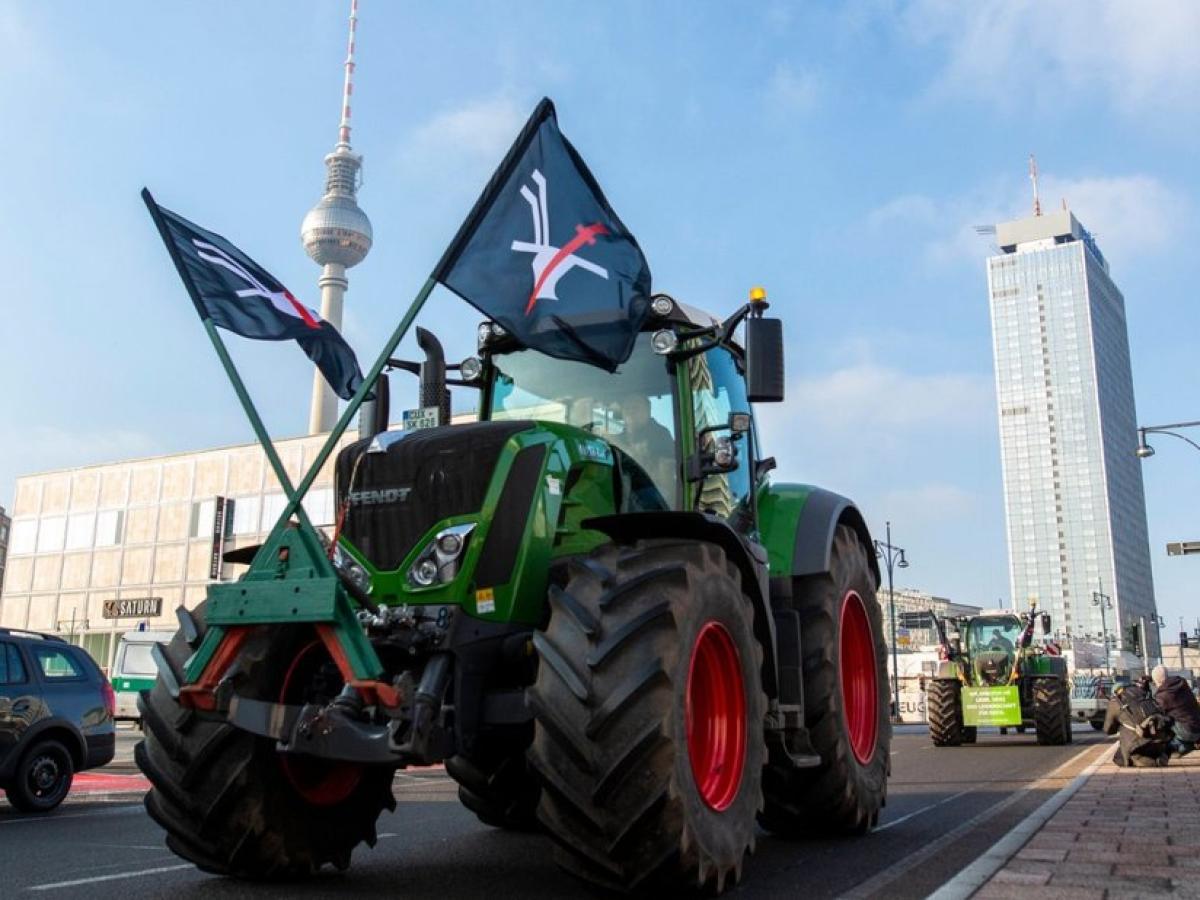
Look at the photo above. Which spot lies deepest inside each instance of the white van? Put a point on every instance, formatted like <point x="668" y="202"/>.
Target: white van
<point x="134" y="671"/>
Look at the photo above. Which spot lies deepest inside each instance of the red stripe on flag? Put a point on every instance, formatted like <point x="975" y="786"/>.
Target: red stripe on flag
<point x="584" y="234"/>
<point x="302" y="311"/>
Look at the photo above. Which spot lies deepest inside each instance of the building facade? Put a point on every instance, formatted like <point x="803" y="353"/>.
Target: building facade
<point x="96" y="550"/>
<point x="1073" y="496"/>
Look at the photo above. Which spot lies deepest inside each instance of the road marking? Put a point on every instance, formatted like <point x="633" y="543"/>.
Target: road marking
<point x="116" y="877"/>
<point x="872" y="886"/>
<point x="973" y="877"/>
<point x="923" y="809"/>
<point x="114" y="811"/>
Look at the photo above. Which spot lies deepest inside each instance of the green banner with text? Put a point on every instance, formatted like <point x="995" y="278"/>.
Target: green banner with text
<point x="991" y="706"/>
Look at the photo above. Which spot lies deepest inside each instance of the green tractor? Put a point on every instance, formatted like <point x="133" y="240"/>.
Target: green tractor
<point x="591" y="605"/>
<point x="992" y="674"/>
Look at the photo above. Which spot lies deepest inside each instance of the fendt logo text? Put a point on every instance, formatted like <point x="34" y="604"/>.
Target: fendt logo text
<point x="379" y="497"/>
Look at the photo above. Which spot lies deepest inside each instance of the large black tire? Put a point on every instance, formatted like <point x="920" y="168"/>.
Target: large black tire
<point x="1097" y="722"/>
<point x="42" y="778"/>
<point x="943" y="704"/>
<point x="1051" y="705"/>
<point x="628" y="657"/>
<point x="223" y="795"/>
<point x="839" y="634"/>
<point x="499" y="787"/>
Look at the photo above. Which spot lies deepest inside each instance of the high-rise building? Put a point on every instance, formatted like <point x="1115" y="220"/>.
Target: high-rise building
<point x="1073" y="497"/>
<point x="336" y="234"/>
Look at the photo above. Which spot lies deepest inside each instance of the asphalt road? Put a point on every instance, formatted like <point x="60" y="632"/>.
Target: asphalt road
<point x="946" y="806"/>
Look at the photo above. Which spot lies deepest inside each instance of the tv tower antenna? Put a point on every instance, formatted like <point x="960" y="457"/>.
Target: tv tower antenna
<point x="336" y="233"/>
<point x="1033" y="176"/>
<point x="348" y="82"/>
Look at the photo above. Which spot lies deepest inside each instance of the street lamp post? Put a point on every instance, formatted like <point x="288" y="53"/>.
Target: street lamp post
<point x="1103" y="601"/>
<point x="893" y="557"/>
<point x="1145" y="451"/>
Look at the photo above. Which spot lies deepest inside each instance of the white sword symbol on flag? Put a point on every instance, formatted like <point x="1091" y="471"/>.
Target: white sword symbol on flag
<point x="281" y="300"/>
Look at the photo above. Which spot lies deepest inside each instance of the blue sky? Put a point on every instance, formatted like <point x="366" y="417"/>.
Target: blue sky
<point x="836" y="153"/>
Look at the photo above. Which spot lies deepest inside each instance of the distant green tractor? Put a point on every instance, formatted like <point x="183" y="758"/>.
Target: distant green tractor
<point x="992" y="675"/>
<point x="592" y="605"/>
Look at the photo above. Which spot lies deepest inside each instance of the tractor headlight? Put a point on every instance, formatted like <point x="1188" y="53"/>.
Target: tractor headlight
<point x="450" y="544"/>
<point x="471" y="368"/>
<point x="347" y="566"/>
<point x="489" y="332"/>
<point x="425" y="572"/>
<point x="440" y="559"/>
<point x="661" y="305"/>
<point x="663" y="342"/>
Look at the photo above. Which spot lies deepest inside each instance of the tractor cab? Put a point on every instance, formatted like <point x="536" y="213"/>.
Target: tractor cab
<point x="992" y="643"/>
<point x="437" y="515"/>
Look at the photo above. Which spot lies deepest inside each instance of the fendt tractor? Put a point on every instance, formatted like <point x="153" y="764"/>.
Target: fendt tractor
<point x="592" y="605"/>
<point x="991" y="673"/>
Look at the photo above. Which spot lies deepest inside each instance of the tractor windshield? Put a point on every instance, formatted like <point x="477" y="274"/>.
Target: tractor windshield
<point x="993" y="642"/>
<point x="632" y="408"/>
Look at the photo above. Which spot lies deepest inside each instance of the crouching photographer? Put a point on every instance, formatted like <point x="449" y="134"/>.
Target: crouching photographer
<point x="1145" y="732"/>
<point x="1176" y="699"/>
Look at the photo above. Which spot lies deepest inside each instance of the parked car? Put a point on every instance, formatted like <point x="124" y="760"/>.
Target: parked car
<point x="134" y="670"/>
<point x="56" y="718"/>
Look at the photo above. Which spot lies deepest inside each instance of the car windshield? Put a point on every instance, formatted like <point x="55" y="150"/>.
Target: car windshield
<point x="632" y="407"/>
<point x="138" y="660"/>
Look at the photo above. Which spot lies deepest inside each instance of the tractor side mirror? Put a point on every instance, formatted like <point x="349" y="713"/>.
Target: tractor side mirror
<point x="1045" y="623"/>
<point x="764" y="360"/>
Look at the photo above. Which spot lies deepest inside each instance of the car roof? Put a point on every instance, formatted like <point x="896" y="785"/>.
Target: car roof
<point x="22" y="634"/>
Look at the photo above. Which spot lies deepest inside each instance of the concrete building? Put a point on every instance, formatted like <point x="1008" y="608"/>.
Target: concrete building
<point x="5" y="524"/>
<point x="97" y="549"/>
<point x="1073" y="497"/>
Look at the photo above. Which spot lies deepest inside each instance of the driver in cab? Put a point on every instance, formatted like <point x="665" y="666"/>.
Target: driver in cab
<point x="999" y="642"/>
<point x="646" y="440"/>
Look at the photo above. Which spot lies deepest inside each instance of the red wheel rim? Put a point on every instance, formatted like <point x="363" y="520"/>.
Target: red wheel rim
<point x="716" y="716"/>
<point x="318" y="781"/>
<point x="860" y="693"/>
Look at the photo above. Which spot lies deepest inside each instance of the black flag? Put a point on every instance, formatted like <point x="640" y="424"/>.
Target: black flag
<point x="239" y="295"/>
<point x="544" y="255"/>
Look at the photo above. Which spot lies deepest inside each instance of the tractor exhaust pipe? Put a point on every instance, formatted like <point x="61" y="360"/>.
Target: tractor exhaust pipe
<point x="373" y="415"/>
<point x="433" y="375"/>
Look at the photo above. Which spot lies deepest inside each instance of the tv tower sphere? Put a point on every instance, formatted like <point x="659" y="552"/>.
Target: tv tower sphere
<point x="336" y="230"/>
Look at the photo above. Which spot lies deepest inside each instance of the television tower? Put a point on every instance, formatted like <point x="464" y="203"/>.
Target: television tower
<point x="336" y="234"/>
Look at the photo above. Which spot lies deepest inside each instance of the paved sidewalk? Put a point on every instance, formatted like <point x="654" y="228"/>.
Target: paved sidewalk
<point x="1125" y="833"/>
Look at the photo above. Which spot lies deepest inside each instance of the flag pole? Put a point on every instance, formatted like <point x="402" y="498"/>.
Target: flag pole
<point x="231" y="371"/>
<point x="352" y="407"/>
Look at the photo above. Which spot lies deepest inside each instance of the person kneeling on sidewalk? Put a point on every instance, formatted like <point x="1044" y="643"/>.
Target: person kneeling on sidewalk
<point x="1176" y="699"/>
<point x="1145" y="731"/>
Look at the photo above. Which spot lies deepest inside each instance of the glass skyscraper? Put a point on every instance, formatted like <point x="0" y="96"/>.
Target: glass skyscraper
<point x="1073" y="497"/>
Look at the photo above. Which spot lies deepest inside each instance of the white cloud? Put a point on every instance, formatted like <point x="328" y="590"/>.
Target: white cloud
<point x="851" y="426"/>
<point x="479" y="131"/>
<point x="869" y="399"/>
<point x="1014" y="52"/>
<point x="1130" y="215"/>
<point x="790" y="92"/>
